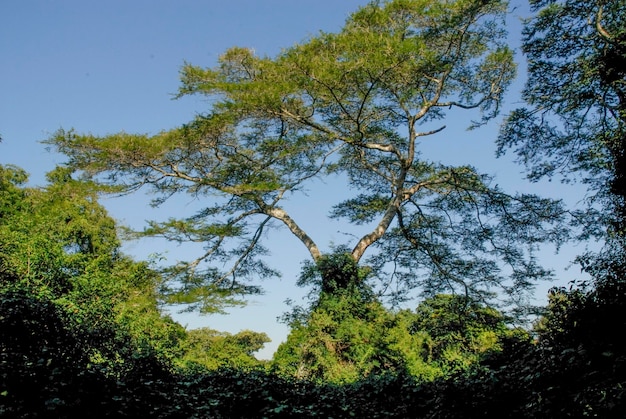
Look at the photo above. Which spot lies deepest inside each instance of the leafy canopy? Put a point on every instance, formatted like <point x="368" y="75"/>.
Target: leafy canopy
<point x="574" y="121"/>
<point x="59" y="249"/>
<point x="355" y="105"/>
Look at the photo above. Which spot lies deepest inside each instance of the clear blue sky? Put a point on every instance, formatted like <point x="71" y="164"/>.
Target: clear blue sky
<point x="109" y="66"/>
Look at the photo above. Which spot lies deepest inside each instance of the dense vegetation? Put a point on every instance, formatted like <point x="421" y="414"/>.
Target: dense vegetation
<point x="83" y="327"/>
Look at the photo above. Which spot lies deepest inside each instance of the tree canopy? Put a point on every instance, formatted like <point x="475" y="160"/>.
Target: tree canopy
<point x="574" y="122"/>
<point x="355" y="104"/>
<point x="82" y="333"/>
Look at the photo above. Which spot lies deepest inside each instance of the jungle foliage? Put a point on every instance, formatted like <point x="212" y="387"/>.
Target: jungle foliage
<point x="107" y="350"/>
<point x="78" y="317"/>
<point x="83" y="327"/>
<point x="348" y="334"/>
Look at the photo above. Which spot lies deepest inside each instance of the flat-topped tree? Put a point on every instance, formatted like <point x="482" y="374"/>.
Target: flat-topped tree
<point x="354" y="103"/>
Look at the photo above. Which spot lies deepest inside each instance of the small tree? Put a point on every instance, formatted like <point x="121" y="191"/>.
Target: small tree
<point x="212" y="349"/>
<point x="355" y="104"/>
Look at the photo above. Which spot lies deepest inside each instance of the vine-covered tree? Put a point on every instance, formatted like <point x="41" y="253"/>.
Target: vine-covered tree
<point x="346" y="337"/>
<point x="354" y="104"/>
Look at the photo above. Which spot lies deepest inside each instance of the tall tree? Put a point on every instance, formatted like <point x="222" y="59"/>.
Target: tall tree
<point x="355" y="104"/>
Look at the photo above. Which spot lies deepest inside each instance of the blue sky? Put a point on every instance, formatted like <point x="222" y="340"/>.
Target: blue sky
<point x="108" y="66"/>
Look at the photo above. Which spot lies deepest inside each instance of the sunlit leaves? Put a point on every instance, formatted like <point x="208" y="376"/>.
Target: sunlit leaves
<point x="344" y="337"/>
<point x="59" y="244"/>
<point x="213" y="349"/>
<point x="354" y="103"/>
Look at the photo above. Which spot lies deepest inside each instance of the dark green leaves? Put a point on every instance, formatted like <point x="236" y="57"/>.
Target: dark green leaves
<point x="575" y="124"/>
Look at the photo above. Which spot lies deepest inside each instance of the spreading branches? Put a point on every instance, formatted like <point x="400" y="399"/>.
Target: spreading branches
<point x="354" y="104"/>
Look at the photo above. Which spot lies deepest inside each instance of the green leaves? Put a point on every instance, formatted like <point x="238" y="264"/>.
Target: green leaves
<point x="354" y="103"/>
<point x="214" y="350"/>
<point x="190" y="230"/>
<point x="362" y="209"/>
<point x="344" y="338"/>
<point x="574" y="124"/>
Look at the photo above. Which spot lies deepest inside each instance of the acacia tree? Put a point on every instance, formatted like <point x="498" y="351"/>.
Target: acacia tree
<point x="354" y="104"/>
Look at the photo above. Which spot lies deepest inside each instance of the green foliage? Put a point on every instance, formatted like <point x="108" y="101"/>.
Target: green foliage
<point x="59" y="242"/>
<point x="95" y="346"/>
<point x="213" y="349"/>
<point x="336" y="273"/>
<point x="75" y="311"/>
<point x="355" y="103"/>
<point x="347" y="334"/>
<point x="461" y="332"/>
<point x="574" y="124"/>
<point x="341" y="341"/>
<point x="82" y="334"/>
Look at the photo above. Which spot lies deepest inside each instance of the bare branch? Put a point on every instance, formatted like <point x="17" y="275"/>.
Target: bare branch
<point x="244" y="255"/>
<point x="297" y="231"/>
<point x="603" y="32"/>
